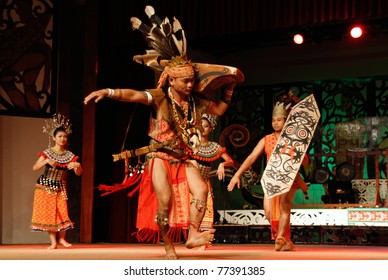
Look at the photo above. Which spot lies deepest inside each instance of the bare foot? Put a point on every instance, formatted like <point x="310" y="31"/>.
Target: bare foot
<point x="201" y="248"/>
<point x="64" y="243"/>
<point x="279" y="243"/>
<point x="170" y="252"/>
<point x="52" y="247"/>
<point x="200" y="239"/>
<point x="288" y="246"/>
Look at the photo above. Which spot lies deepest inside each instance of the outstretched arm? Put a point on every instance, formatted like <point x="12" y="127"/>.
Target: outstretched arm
<point x="257" y="151"/>
<point x="125" y="95"/>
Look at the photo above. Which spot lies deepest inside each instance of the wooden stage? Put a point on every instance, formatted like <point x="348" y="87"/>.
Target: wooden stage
<point x="328" y="244"/>
<point x="220" y="261"/>
<point x="215" y="252"/>
<point x="319" y="234"/>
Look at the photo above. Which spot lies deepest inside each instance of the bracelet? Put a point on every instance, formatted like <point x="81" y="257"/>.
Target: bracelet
<point x="111" y="92"/>
<point x="149" y="97"/>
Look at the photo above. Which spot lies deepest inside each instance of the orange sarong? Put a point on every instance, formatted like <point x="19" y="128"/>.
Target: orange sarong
<point x="49" y="211"/>
<point x="148" y="230"/>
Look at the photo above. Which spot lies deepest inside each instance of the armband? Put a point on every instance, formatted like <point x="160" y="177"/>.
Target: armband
<point x="149" y="97"/>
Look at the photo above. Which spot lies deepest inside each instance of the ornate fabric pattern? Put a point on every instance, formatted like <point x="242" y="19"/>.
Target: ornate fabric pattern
<point x="50" y="211"/>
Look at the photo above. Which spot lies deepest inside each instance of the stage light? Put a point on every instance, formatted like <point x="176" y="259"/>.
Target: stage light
<point x="298" y="39"/>
<point x="356" y="31"/>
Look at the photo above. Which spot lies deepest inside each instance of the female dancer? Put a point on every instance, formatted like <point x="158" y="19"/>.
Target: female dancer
<point x="208" y="153"/>
<point x="50" y="199"/>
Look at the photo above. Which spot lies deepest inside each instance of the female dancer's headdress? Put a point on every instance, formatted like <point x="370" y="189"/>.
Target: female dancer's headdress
<point x="212" y="119"/>
<point x="54" y="123"/>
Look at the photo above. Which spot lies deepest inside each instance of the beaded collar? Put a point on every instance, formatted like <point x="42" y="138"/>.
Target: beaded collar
<point x="65" y="157"/>
<point x="209" y="152"/>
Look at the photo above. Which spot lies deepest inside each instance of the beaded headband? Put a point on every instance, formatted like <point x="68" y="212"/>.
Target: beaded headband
<point x="176" y="71"/>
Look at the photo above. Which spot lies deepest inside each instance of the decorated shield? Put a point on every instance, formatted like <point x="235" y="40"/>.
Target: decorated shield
<point x="291" y="147"/>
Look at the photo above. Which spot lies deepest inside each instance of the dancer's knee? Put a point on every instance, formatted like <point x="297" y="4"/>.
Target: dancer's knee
<point x="199" y="204"/>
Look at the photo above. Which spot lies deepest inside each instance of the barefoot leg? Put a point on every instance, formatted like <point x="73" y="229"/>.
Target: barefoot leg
<point x="162" y="222"/>
<point x="53" y="240"/>
<point x="198" y="239"/>
<point x="162" y="187"/>
<point x="170" y="251"/>
<point x="199" y="191"/>
<point x="62" y="240"/>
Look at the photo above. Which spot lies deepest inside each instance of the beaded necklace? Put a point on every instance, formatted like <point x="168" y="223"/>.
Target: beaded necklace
<point x="182" y="119"/>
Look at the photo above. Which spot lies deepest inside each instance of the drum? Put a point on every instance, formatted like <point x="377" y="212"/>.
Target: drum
<point x="321" y="175"/>
<point x="345" y="172"/>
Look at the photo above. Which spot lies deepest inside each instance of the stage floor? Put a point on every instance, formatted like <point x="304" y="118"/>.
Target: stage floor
<point x="215" y="252"/>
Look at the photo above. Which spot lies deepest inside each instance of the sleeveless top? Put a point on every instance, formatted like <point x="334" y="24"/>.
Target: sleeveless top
<point x="54" y="178"/>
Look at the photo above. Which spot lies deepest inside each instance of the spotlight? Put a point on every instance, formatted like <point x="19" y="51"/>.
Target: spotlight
<point x="356" y="31"/>
<point x="298" y="39"/>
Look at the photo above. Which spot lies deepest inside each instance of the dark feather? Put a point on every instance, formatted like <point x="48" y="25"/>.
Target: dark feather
<point x="166" y="39"/>
<point x="139" y="25"/>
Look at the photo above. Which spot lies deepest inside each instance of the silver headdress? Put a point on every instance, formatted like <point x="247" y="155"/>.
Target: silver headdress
<point x="54" y="123"/>
<point x="212" y="119"/>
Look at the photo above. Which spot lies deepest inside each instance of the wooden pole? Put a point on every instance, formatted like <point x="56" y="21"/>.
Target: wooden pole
<point x="377" y="172"/>
<point x="386" y="164"/>
<point x="88" y="133"/>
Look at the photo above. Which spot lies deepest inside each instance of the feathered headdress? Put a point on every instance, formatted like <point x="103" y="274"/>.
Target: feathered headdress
<point x="168" y="41"/>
